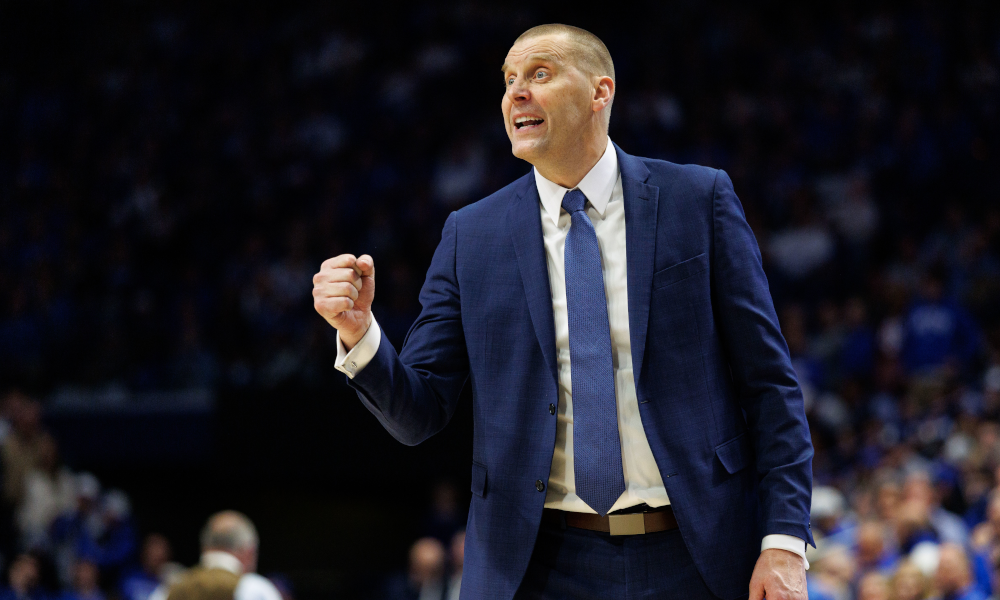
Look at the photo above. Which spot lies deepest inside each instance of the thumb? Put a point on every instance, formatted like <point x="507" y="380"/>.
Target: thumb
<point x="756" y="590"/>
<point x="366" y="266"/>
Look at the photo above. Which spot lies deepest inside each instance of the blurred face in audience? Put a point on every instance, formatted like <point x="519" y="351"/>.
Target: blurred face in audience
<point x="426" y="561"/>
<point x="953" y="569"/>
<point x="24" y="574"/>
<point x="155" y="553"/>
<point x="550" y="105"/>
<point x="887" y="500"/>
<point x="837" y="566"/>
<point x="918" y="488"/>
<point x="85" y="576"/>
<point x="912" y="517"/>
<point x="871" y="543"/>
<point x="909" y="582"/>
<point x="993" y="511"/>
<point x="873" y="587"/>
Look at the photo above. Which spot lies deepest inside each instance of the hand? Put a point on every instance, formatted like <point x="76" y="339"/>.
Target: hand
<point x="778" y="575"/>
<point x="343" y="291"/>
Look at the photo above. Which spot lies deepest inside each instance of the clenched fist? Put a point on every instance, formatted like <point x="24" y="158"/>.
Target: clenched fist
<point x="342" y="293"/>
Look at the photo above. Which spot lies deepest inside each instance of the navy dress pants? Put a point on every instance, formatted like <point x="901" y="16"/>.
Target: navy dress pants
<point x="577" y="564"/>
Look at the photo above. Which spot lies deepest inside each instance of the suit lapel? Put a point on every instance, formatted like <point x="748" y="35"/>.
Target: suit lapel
<point x="641" y="202"/>
<point x="525" y="226"/>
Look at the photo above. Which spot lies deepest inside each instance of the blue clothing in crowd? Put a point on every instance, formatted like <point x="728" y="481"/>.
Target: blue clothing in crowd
<point x="936" y="332"/>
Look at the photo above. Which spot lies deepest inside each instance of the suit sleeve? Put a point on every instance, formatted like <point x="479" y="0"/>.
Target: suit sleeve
<point x="765" y="383"/>
<point x="414" y="394"/>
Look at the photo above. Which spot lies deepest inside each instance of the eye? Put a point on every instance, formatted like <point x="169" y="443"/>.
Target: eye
<point x="541" y="74"/>
<point x="510" y="80"/>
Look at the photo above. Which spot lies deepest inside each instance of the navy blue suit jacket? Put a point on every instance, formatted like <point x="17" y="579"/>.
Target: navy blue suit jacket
<point x="719" y="401"/>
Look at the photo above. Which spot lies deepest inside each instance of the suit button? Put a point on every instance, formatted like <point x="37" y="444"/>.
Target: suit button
<point x="539" y="485"/>
<point x="552" y="409"/>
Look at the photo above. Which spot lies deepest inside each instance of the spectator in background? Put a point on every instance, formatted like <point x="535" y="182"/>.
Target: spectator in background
<point x="140" y="583"/>
<point x="873" y="552"/>
<point x="23" y="447"/>
<point x="937" y="331"/>
<point x="229" y="551"/>
<point x="913" y="525"/>
<point x="909" y="582"/>
<point x="832" y="572"/>
<point x="947" y="526"/>
<point x="457" y="561"/>
<point x="85" y="582"/>
<point x="985" y="538"/>
<point x="23" y="580"/>
<point x="114" y="543"/>
<point x="70" y="530"/>
<point x="445" y="517"/>
<point x="857" y="352"/>
<point x="424" y="580"/>
<point x="49" y="491"/>
<point x="827" y="513"/>
<point x="873" y="586"/>
<point x="953" y="578"/>
<point x="21" y="450"/>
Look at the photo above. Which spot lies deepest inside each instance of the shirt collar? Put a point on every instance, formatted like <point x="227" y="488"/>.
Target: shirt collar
<point x="597" y="185"/>
<point x="213" y="559"/>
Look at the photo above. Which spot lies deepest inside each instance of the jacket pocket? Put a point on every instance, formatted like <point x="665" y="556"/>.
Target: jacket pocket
<point x="735" y="454"/>
<point x="478" y="479"/>
<point x="680" y="271"/>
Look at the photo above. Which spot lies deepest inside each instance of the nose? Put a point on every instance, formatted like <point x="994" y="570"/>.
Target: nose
<point x="518" y="91"/>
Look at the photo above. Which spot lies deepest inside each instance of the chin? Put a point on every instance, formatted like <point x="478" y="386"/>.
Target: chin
<point x="526" y="149"/>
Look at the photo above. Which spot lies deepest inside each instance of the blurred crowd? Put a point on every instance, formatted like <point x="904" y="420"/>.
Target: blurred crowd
<point x="173" y="176"/>
<point x="62" y="536"/>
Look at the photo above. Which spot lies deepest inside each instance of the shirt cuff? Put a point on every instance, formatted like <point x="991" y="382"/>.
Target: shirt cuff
<point x="350" y="363"/>
<point x="785" y="542"/>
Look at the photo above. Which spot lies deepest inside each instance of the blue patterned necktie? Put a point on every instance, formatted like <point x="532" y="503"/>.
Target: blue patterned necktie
<point x="597" y="452"/>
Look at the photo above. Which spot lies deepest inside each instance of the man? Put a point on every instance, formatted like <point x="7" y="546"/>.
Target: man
<point x="425" y="577"/>
<point x="23" y="579"/>
<point x="154" y="561"/>
<point x="634" y="403"/>
<point x="953" y="578"/>
<point x="229" y="546"/>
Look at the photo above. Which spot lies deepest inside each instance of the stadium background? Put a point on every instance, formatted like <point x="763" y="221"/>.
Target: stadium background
<point x="172" y="174"/>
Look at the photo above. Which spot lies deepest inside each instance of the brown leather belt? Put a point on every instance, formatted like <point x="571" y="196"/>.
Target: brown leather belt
<point x="658" y="519"/>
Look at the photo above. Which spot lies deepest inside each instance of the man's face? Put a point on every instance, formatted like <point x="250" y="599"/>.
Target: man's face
<point x="548" y="101"/>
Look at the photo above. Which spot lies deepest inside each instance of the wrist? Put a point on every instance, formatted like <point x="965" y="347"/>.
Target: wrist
<point x="785" y="552"/>
<point x="351" y="339"/>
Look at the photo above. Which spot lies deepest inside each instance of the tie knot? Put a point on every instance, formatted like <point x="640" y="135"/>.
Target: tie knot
<point x="573" y="201"/>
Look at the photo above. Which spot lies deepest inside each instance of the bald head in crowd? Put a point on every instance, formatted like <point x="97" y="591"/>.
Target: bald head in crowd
<point x="233" y="533"/>
<point x="953" y="573"/>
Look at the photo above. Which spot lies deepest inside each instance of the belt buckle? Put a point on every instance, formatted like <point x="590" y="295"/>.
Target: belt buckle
<point x="633" y="524"/>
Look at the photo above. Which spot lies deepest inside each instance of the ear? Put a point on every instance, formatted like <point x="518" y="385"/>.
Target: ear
<point x="604" y="93"/>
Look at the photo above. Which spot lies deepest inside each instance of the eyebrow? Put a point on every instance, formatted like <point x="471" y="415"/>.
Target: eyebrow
<point x="541" y="56"/>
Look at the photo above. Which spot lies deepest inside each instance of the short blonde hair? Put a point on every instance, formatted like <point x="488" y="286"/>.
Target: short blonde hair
<point x="593" y="57"/>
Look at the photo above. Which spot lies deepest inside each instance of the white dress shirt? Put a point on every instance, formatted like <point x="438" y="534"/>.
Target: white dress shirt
<point x="602" y="186"/>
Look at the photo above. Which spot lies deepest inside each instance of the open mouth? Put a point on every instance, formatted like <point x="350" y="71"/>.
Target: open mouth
<point x="522" y="123"/>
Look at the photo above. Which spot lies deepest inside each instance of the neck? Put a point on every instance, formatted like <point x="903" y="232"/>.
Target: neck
<point x="568" y="171"/>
